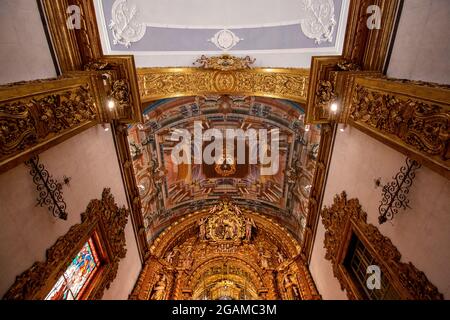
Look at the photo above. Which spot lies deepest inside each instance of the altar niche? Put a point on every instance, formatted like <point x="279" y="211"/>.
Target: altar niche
<point x="225" y="252"/>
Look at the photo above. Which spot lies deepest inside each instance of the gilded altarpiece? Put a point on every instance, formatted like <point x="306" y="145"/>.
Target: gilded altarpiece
<point x="225" y="253"/>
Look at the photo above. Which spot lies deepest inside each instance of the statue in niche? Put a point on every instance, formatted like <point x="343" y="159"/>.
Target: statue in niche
<point x="159" y="290"/>
<point x="187" y="258"/>
<point x="202" y="228"/>
<point x="280" y="257"/>
<point x="171" y="255"/>
<point x="249" y="224"/>
<point x="291" y="287"/>
<point x="264" y="257"/>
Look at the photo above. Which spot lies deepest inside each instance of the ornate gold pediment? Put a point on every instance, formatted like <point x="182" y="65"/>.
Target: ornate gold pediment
<point x="226" y="223"/>
<point x="225" y="62"/>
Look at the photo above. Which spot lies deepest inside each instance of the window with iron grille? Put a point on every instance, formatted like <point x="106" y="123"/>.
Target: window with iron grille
<point x="357" y="261"/>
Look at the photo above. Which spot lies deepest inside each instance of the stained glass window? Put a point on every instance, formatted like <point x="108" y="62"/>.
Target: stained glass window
<point x="77" y="276"/>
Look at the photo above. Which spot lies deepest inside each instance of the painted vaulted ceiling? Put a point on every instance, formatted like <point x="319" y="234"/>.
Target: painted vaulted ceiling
<point x="176" y="32"/>
<point x="169" y="190"/>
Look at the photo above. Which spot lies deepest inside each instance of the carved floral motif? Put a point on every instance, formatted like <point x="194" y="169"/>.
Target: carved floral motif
<point x="225" y="62"/>
<point x="325" y="93"/>
<point x="121" y="94"/>
<point x="157" y="83"/>
<point x="26" y="123"/>
<point x="422" y="125"/>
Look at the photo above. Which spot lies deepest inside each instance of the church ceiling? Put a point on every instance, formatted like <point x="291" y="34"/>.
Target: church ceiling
<point x="173" y="33"/>
<point x="169" y="190"/>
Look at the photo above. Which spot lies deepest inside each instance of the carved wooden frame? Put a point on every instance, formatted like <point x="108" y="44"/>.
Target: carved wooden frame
<point x="283" y="83"/>
<point x="345" y="218"/>
<point x="103" y="221"/>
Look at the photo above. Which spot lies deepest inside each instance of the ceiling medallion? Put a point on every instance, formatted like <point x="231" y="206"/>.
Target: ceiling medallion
<point x="224" y="62"/>
<point x="226" y="224"/>
<point x="225" y="39"/>
<point x="124" y="27"/>
<point x="318" y="21"/>
<point x="225" y="166"/>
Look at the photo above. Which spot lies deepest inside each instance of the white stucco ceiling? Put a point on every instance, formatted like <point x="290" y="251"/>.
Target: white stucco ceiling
<point x="173" y="33"/>
<point x="218" y="14"/>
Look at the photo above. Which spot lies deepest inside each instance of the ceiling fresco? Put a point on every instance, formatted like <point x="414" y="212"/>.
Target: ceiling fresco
<point x="169" y="190"/>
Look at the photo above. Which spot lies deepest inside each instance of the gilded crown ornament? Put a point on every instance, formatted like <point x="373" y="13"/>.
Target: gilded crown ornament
<point x="224" y="62"/>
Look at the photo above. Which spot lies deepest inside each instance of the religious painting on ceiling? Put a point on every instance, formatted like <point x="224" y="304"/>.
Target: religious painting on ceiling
<point x="170" y="187"/>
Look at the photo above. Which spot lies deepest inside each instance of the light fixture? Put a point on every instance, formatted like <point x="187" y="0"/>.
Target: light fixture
<point x="307" y="128"/>
<point x="111" y="104"/>
<point x="105" y="127"/>
<point x="334" y="107"/>
<point x="343" y="128"/>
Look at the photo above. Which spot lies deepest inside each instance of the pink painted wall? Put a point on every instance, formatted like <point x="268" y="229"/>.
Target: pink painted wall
<point x="422" y="234"/>
<point x="422" y="43"/>
<point x="26" y="231"/>
<point x="24" y="52"/>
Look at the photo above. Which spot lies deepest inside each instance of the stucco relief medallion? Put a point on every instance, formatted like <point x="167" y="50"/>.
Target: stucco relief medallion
<point x="318" y="20"/>
<point x="225" y="39"/>
<point x="124" y="24"/>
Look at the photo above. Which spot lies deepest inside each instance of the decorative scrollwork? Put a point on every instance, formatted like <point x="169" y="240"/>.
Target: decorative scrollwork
<point x="347" y="65"/>
<point x="318" y="21"/>
<point x="125" y="29"/>
<point x="121" y="94"/>
<point x="29" y="122"/>
<point x="395" y="193"/>
<point x="325" y="93"/>
<point x="225" y="62"/>
<point x="224" y="77"/>
<point x="225" y="39"/>
<point x="411" y="119"/>
<point x="49" y="189"/>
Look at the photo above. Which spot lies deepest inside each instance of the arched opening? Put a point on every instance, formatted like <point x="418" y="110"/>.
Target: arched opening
<point x="222" y="253"/>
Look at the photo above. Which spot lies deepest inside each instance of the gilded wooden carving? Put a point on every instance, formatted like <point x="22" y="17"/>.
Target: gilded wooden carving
<point x="227" y="251"/>
<point x="101" y="216"/>
<point x="364" y="50"/>
<point x="318" y="187"/>
<point x="345" y="216"/>
<point x="325" y="94"/>
<point x="160" y="83"/>
<point x="33" y="116"/>
<point x="225" y="62"/>
<point x="412" y="115"/>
